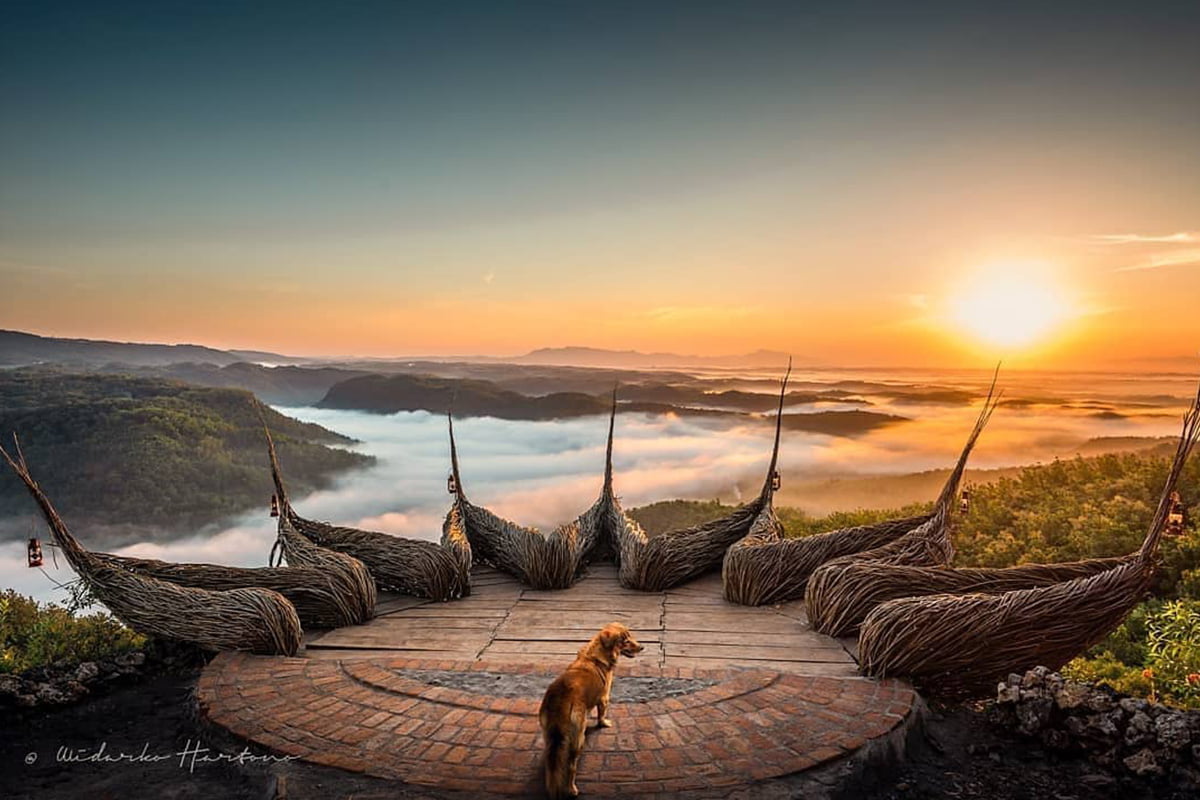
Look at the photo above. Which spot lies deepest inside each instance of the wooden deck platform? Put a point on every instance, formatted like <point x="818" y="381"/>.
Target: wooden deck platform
<point x="504" y="622"/>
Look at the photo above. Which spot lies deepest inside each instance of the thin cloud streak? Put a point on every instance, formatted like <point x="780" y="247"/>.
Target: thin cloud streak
<point x="1180" y="259"/>
<point x="1182" y="237"/>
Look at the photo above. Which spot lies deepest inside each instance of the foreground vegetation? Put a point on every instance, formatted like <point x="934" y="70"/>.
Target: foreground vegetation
<point x="124" y="450"/>
<point x="33" y="634"/>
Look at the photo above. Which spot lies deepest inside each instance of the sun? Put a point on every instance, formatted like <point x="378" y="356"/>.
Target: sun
<point x="1010" y="305"/>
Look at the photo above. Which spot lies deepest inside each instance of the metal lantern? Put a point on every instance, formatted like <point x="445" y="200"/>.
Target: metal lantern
<point x="35" y="552"/>
<point x="776" y="481"/>
<point x="1175" y="514"/>
<point x="274" y="505"/>
<point x="451" y="484"/>
<point x="964" y="503"/>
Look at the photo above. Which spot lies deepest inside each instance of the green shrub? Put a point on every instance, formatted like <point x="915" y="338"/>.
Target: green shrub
<point x="1160" y="656"/>
<point x="34" y="635"/>
<point x="1173" y="648"/>
<point x="796" y="523"/>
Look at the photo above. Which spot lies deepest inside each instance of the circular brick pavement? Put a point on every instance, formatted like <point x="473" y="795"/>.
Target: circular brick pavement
<point x="739" y="727"/>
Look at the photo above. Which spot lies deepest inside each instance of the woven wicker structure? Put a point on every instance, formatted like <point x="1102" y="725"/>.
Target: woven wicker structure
<point x="767" y="568"/>
<point x="868" y="584"/>
<point x="553" y="560"/>
<point x="256" y="619"/>
<point x="321" y="596"/>
<point x="958" y="645"/>
<point x="328" y="589"/>
<point x="653" y="564"/>
<point x="356" y="588"/>
<point x="412" y="566"/>
<point x="830" y="603"/>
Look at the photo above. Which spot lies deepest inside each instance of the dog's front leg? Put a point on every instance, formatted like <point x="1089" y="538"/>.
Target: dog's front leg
<point x="602" y="719"/>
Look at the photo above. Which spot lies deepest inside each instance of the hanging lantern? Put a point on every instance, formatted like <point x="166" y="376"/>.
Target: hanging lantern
<point x="776" y="481"/>
<point x="35" y="552"/>
<point x="274" y="505"/>
<point x="1175" y="514"/>
<point x="964" y="504"/>
<point x="451" y="484"/>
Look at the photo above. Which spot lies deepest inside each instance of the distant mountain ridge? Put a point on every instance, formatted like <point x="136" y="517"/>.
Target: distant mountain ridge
<point x="18" y="348"/>
<point x="388" y="394"/>
<point x="599" y="357"/>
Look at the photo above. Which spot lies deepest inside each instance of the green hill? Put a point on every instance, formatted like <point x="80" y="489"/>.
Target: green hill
<point x="144" y="451"/>
<point x="1062" y="511"/>
<point x="387" y="394"/>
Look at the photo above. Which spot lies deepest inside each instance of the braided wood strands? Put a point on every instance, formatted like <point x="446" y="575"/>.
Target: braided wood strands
<point x="257" y="619"/>
<point x="410" y="566"/>
<point x="834" y="606"/>
<point x="348" y="576"/>
<point x="760" y="570"/>
<point x="959" y="645"/>
<point x="671" y="558"/>
<point x="319" y="599"/>
<point x="553" y="560"/>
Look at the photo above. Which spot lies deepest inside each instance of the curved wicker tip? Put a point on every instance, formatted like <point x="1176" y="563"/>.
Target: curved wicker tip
<point x="954" y="480"/>
<point x="76" y="554"/>
<point x="552" y="560"/>
<point x="276" y="472"/>
<point x="459" y="493"/>
<point x="768" y="490"/>
<point x="412" y="566"/>
<point x="1188" y="436"/>
<point x="608" y="467"/>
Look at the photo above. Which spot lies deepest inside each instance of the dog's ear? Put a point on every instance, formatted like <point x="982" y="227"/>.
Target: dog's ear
<point x="610" y="638"/>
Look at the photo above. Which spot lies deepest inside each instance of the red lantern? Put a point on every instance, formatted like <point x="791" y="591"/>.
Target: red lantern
<point x="274" y="506"/>
<point x="35" y="552"/>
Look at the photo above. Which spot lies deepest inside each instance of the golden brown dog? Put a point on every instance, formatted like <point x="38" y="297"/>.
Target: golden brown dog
<point x="585" y="685"/>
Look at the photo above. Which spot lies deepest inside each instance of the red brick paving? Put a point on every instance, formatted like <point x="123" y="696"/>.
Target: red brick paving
<point x="363" y="716"/>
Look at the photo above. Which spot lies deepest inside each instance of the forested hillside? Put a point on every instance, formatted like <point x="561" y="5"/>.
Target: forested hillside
<point x="117" y="449"/>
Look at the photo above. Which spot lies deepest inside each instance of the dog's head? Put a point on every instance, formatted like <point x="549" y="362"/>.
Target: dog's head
<point x="618" y="640"/>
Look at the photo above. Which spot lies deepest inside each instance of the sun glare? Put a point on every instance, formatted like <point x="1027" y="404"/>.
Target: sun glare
<point x="1010" y="306"/>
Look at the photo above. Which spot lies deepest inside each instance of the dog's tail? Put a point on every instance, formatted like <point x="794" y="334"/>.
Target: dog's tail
<point x="556" y="763"/>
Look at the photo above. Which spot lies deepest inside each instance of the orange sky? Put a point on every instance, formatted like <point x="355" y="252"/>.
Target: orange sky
<point x="1121" y="303"/>
<point x="818" y="181"/>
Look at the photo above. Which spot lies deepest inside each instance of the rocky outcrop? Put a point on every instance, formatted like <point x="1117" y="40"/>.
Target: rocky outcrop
<point x="64" y="683"/>
<point x="1122" y="733"/>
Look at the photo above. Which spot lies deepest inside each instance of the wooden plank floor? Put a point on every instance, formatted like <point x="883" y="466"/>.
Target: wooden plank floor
<point x="504" y="622"/>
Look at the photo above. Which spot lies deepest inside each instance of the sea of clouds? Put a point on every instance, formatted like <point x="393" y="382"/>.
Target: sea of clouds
<point x="546" y="473"/>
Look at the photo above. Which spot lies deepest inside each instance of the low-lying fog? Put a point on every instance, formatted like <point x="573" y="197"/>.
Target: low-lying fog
<point x="545" y="473"/>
